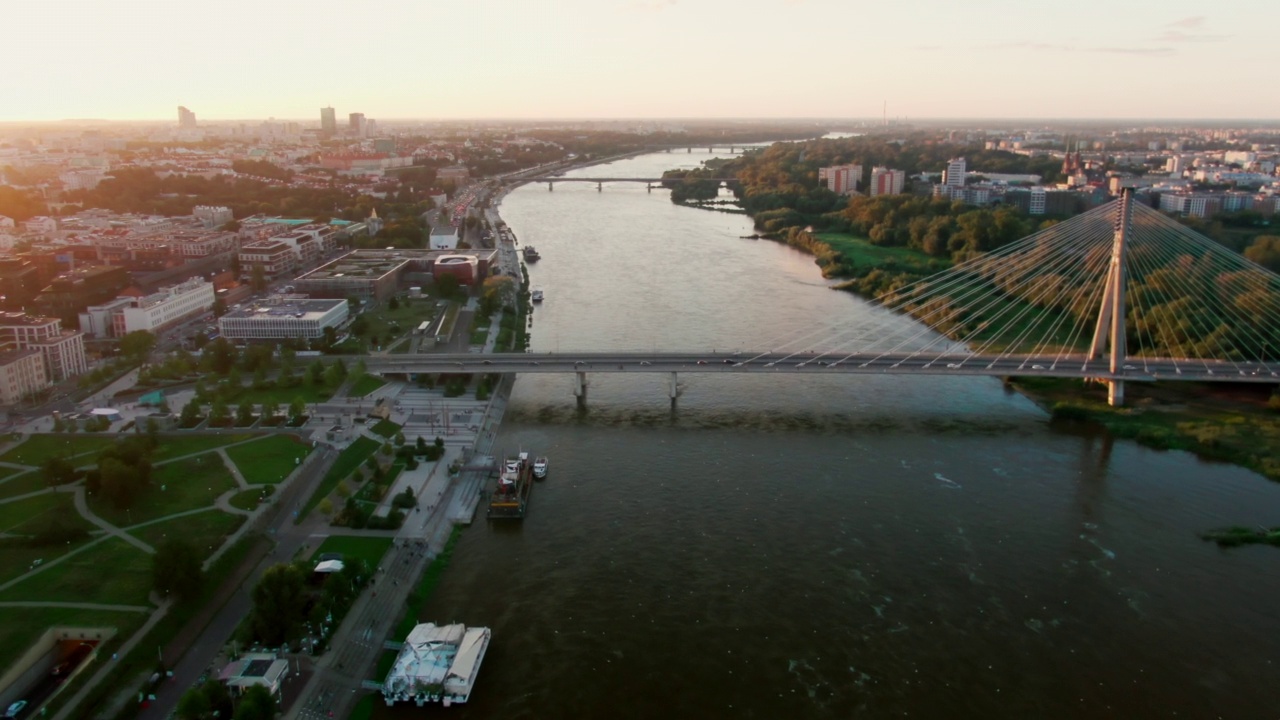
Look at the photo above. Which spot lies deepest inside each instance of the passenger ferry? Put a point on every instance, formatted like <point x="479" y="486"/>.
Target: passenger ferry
<point x="536" y="296"/>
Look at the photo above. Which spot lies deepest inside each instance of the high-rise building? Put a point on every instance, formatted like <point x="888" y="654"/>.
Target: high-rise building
<point x="886" y="181"/>
<point x="357" y="125"/>
<point x="841" y="179"/>
<point x="953" y="176"/>
<point x="328" y="121"/>
<point x="186" y="118"/>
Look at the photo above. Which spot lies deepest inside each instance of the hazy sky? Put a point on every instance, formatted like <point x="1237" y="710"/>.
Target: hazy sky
<point x="638" y="58"/>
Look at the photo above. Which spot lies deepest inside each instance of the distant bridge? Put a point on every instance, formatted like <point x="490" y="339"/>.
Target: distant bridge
<point x="649" y="182"/>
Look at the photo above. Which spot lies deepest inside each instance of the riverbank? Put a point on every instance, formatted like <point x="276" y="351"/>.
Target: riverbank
<point x="1214" y="422"/>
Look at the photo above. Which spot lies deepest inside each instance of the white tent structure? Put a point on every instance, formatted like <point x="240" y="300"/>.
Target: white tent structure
<point x="438" y="663"/>
<point x="329" y="566"/>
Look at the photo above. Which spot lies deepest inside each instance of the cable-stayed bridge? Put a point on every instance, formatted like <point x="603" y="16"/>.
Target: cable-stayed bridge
<point x="1117" y="294"/>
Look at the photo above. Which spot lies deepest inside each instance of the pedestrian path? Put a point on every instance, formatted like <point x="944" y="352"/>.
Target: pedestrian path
<point x="76" y="606"/>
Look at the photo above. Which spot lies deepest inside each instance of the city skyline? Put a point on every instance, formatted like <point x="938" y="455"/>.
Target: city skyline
<point x="640" y="59"/>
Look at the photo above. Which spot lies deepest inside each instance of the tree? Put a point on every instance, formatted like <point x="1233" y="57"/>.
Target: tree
<point x="447" y="286"/>
<point x="1265" y="251"/>
<point x="256" y="704"/>
<point x="297" y="408"/>
<point x="244" y="413"/>
<point x="333" y="376"/>
<point x="393" y="303"/>
<point x="190" y="413"/>
<point x="176" y="570"/>
<point x="219" y="413"/>
<point x="58" y="471"/>
<point x="258" y="278"/>
<point x="270" y="410"/>
<point x="279" y="605"/>
<point x="137" y="344"/>
<point x="220" y="356"/>
<point x="120" y="482"/>
<point x="315" y="373"/>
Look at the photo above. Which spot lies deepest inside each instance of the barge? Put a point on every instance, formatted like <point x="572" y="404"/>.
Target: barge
<point x="511" y="496"/>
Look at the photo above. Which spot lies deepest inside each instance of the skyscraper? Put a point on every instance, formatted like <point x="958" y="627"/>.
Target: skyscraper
<point x="953" y="176"/>
<point x="356" y="125"/>
<point x="328" y="121"/>
<point x="186" y="118"/>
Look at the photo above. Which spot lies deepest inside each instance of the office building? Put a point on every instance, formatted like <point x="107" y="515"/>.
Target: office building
<point x="153" y="313"/>
<point x="953" y="176"/>
<point x="841" y="179"/>
<point x="21" y="375"/>
<point x="328" y="121"/>
<point x="62" y="351"/>
<point x="186" y="119"/>
<point x="356" y="125"/>
<point x="283" y="317"/>
<point x="885" y="181"/>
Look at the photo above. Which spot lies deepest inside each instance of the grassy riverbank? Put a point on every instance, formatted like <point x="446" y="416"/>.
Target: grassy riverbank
<point x="1224" y="423"/>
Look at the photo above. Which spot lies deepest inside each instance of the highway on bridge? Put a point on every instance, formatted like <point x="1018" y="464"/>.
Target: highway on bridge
<point x="1076" y="366"/>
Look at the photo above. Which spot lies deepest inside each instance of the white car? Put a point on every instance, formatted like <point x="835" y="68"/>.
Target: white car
<point x="953" y="366"/>
<point x="15" y="708"/>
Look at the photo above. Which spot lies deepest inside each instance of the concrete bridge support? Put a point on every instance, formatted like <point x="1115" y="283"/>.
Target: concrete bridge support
<point x="648" y="187"/>
<point x="580" y="388"/>
<point x="673" y="389"/>
<point x="1115" y="393"/>
<point x="689" y="150"/>
<point x="599" y="187"/>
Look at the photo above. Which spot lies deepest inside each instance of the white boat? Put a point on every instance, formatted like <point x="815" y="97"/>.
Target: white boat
<point x="536" y="296"/>
<point x="540" y="468"/>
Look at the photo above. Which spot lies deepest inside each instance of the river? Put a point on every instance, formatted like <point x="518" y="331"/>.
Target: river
<point x="829" y="547"/>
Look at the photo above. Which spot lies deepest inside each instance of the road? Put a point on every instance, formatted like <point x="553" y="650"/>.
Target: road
<point x="1136" y="369"/>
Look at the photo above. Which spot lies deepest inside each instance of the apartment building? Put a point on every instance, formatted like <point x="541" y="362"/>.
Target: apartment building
<point x="62" y="351"/>
<point x="153" y="313"/>
<point x="21" y="375"/>
<point x="886" y="181"/>
<point x="841" y="179"/>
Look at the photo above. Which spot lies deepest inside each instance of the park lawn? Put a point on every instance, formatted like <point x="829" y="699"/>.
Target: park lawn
<point x="20" y="516"/>
<point x="247" y="499"/>
<point x="17" y="553"/>
<point x="23" y="626"/>
<point x="270" y="459"/>
<point x="39" y="448"/>
<point x="408" y="316"/>
<point x="385" y="428"/>
<point x="282" y="396"/>
<point x="112" y="572"/>
<point x="350" y="459"/>
<point x="480" y="335"/>
<point x="187" y="485"/>
<point x="368" y="549"/>
<point x="206" y="531"/>
<point x="366" y="385"/>
<point x="28" y="482"/>
<point x="860" y="251"/>
<point x="175" y="446"/>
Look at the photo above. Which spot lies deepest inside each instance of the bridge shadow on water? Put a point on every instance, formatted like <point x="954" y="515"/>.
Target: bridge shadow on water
<point x="770" y="421"/>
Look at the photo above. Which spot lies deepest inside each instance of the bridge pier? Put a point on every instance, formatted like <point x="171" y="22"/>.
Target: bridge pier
<point x="689" y="150"/>
<point x="599" y="187"/>
<point x="551" y="186"/>
<point x="1115" y="393"/>
<point x="580" y="388"/>
<point x="648" y="187"/>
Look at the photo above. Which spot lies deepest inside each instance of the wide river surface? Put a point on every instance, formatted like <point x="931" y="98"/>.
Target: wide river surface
<point x="829" y="547"/>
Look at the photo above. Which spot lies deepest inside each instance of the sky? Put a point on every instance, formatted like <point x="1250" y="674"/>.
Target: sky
<point x="252" y="59"/>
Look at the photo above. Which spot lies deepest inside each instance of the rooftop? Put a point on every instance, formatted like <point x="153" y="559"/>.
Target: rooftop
<point x="286" y="307"/>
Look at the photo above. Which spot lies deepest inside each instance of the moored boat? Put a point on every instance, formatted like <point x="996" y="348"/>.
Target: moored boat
<point x="540" y="468"/>
<point x="536" y="296"/>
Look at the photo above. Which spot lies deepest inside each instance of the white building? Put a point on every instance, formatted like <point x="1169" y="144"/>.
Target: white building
<point x="153" y="313"/>
<point x="61" y="350"/>
<point x="438" y="663"/>
<point x="1037" y="202"/>
<point x="212" y="216"/>
<point x="41" y="226"/>
<point x="953" y="176"/>
<point x="21" y="374"/>
<point x="885" y="181"/>
<point x="283" y="317"/>
<point x="841" y="179"/>
<point x="443" y="237"/>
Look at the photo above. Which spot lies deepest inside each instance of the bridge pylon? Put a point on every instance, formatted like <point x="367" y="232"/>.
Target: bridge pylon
<point x="1110" y="330"/>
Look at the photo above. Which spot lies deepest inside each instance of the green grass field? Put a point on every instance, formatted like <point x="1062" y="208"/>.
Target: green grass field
<point x="270" y="459"/>
<point x="28" y="482"/>
<point x="39" y="448"/>
<point x="23" y="518"/>
<point x="350" y="459"/>
<point x="247" y="499"/>
<point x="860" y="251"/>
<point x="17" y="517"/>
<point x="24" y="626"/>
<point x="111" y="572"/>
<point x="368" y="549"/>
<point x="366" y="385"/>
<point x="174" y="446"/>
<point x="188" y="484"/>
<point x="206" y="530"/>
<point x="282" y="396"/>
<point x="385" y="428"/>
